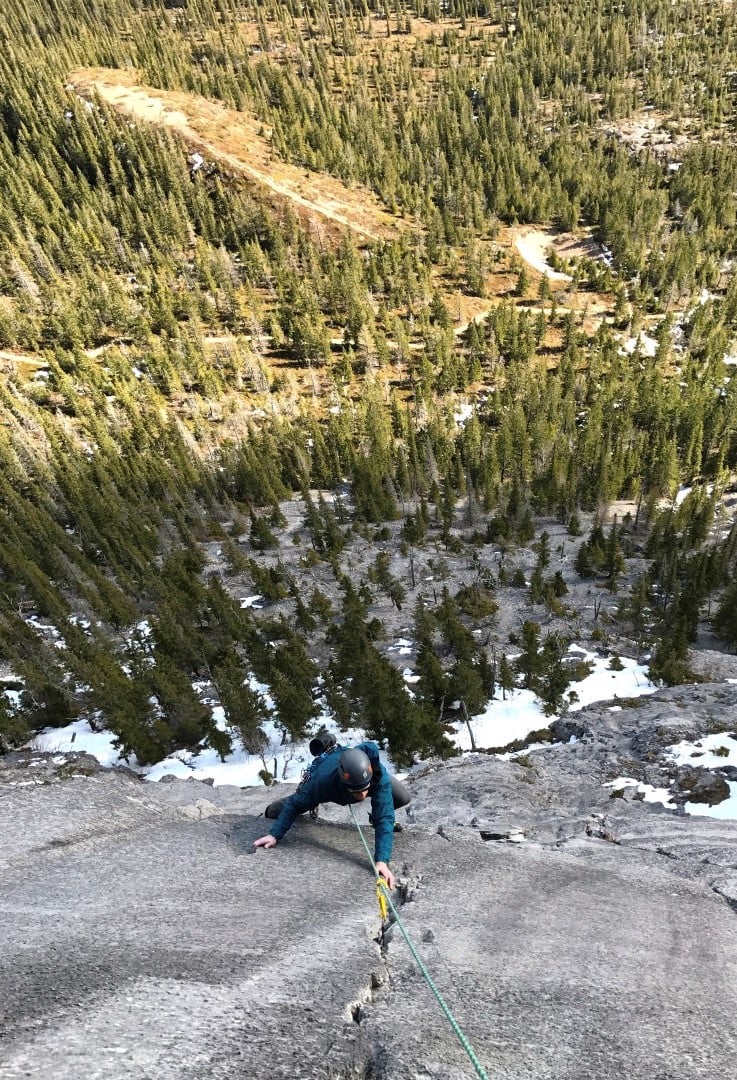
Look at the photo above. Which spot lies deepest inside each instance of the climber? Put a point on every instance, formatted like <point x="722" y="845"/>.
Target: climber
<point x="344" y="775"/>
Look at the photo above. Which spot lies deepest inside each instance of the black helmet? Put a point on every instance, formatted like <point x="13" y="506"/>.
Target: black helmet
<point x="355" y="769"/>
<point x="323" y="741"/>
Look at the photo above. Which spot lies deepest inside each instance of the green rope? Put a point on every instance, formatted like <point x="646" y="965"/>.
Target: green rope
<point x="480" y="1071"/>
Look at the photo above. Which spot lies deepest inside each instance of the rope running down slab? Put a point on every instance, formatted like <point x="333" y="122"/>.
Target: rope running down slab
<point x="385" y="899"/>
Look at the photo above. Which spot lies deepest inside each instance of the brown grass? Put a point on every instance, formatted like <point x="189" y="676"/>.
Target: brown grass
<point x="329" y="207"/>
<point x="242" y="143"/>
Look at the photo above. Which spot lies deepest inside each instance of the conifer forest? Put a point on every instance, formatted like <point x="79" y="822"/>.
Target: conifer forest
<point x="372" y="310"/>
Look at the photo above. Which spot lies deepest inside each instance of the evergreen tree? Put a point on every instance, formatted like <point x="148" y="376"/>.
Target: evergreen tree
<point x="529" y="663"/>
<point x="506" y="677"/>
<point x="725" y="617"/>
<point x="245" y="709"/>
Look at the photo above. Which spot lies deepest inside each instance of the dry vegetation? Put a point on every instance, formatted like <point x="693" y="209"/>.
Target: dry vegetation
<point x="240" y="144"/>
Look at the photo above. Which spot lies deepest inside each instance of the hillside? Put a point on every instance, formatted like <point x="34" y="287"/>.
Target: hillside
<point x="413" y="324"/>
<point x="368" y="365"/>
<point x="233" y="138"/>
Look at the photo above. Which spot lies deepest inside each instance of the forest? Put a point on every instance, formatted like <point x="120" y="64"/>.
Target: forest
<point x="188" y="360"/>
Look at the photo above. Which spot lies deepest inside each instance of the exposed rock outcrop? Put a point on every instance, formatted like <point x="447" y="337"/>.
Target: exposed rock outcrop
<point x="574" y="930"/>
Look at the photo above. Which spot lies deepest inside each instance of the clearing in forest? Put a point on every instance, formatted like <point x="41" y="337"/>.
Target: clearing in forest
<point x="236" y="139"/>
<point x="329" y="207"/>
<point x="243" y="143"/>
<point x="532" y="245"/>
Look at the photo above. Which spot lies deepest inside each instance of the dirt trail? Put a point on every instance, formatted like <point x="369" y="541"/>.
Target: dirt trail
<point x="30" y="359"/>
<point x="532" y="245"/>
<point x="243" y="143"/>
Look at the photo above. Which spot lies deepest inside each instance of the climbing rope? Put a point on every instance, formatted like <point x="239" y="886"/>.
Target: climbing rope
<point x="382" y="893"/>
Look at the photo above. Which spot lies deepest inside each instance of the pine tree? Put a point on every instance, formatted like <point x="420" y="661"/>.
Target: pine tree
<point x="529" y="663"/>
<point x="431" y="687"/>
<point x="506" y="677"/>
<point x="245" y="708"/>
<point x="261" y="535"/>
<point x="554" y="678"/>
<point x="725" y="617"/>
<point x="14" y="728"/>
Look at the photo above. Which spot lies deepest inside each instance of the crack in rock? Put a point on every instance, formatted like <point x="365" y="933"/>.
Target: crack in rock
<point x="357" y="1010"/>
<point x="728" y="898"/>
<point x="509" y="836"/>
<point x="404" y="894"/>
<point x="668" y="854"/>
<point x="363" y="1071"/>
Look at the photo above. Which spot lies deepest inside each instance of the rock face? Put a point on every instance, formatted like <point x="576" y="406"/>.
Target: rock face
<point x="573" y="935"/>
<point x="700" y="786"/>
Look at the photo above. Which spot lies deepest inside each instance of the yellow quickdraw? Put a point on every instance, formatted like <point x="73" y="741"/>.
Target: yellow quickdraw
<point x="381" y="897"/>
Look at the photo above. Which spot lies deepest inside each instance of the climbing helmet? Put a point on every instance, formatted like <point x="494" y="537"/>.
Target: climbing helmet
<point x="355" y="769"/>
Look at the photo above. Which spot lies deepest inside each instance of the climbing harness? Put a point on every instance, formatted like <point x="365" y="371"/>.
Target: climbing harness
<point x="385" y="902"/>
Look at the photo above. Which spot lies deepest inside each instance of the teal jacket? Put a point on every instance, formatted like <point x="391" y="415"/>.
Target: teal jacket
<point x="323" y="784"/>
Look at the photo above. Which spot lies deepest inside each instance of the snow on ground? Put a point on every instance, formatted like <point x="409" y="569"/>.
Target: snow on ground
<point x="647" y="791"/>
<point x="283" y="760"/>
<point x="252" y="602"/>
<point x="726" y="810"/>
<point x="80" y="738"/>
<point x="403" y="646"/>
<point x="11" y="696"/>
<point x="648" y="345"/>
<point x="503" y="721"/>
<point x="462" y="414"/>
<point x="711" y="752"/>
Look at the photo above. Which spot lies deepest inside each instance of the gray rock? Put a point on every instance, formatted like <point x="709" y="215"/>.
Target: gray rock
<point x="39" y="767"/>
<point x="199" y="810"/>
<point x="701" y="786"/>
<point x="142" y="936"/>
